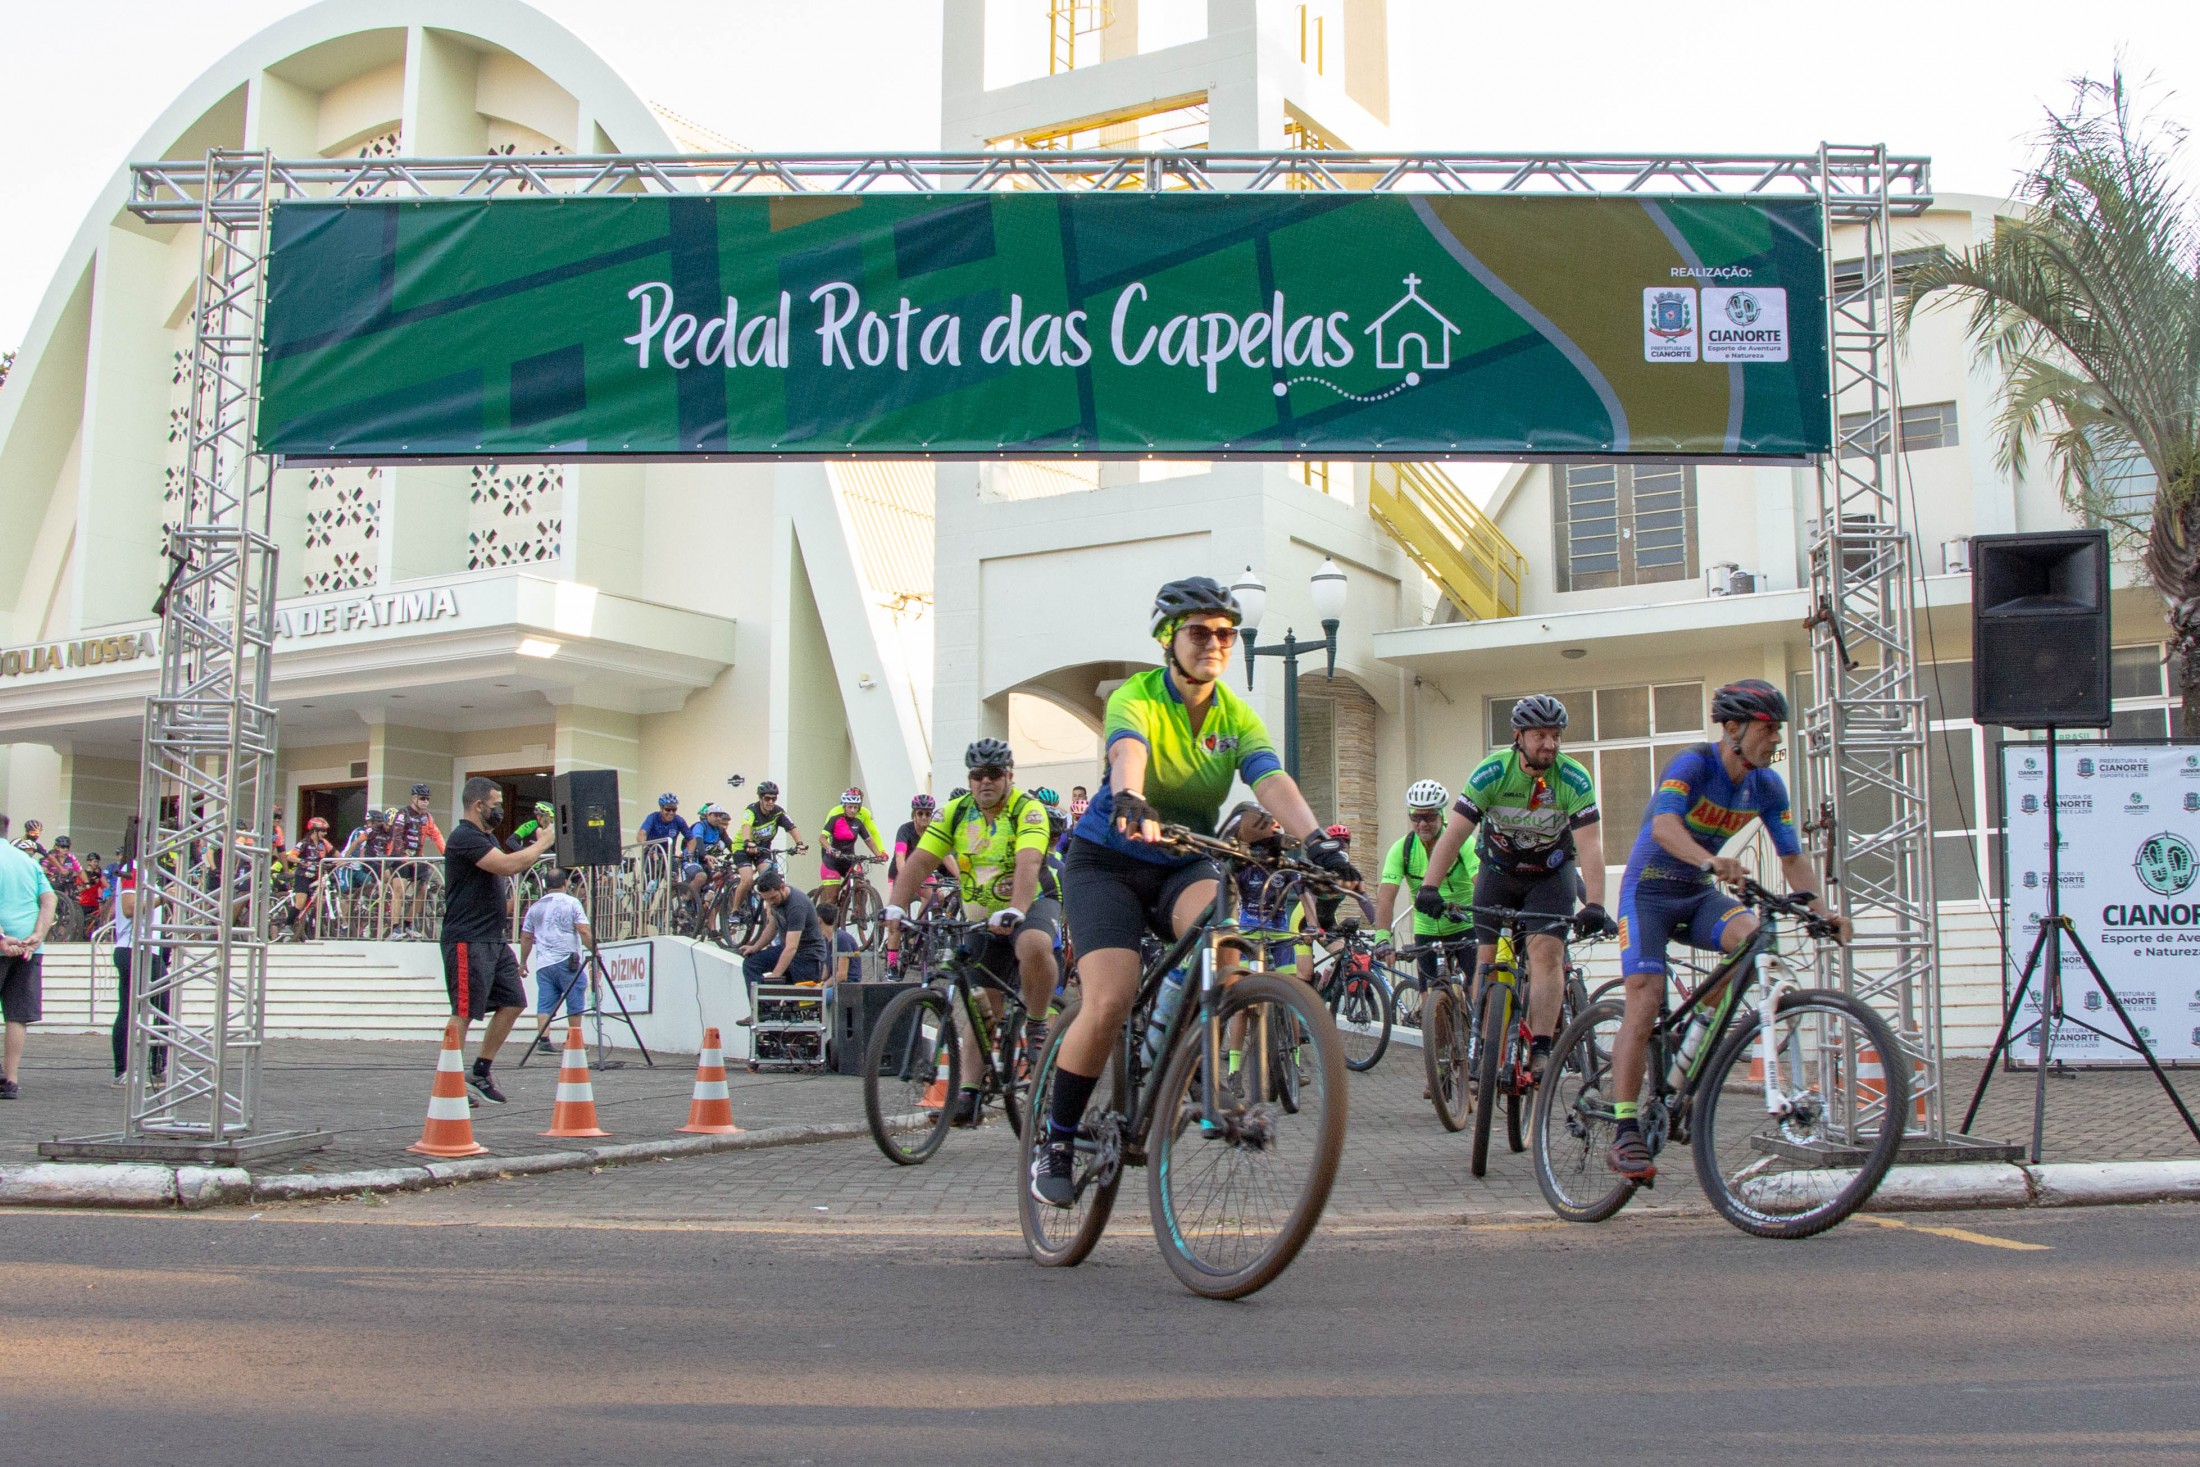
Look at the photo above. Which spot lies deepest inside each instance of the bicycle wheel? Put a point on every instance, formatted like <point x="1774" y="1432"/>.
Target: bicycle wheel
<point x="1518" y="1104"/>
<point x="859" y="912"/>
<point x="1360" y="1003"/>
<point x="1496" y="1031"/>
<point x="1008" y="1066"/>
<point x="1287" y="1055"/>
<point x="1236" y="1194"/>
<point x="1444" y="1032"/>
<point x="1573" y="1122"/>
<point x="912" y="1065"/>
<point x="1060" y="1237"/>
<point x="1406" y="999"/>
<point x="719" y="923"/>
<point x="1794" y="1175"/>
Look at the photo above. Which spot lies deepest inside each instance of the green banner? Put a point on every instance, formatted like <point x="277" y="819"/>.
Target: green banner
<point x="1026" y="324"/>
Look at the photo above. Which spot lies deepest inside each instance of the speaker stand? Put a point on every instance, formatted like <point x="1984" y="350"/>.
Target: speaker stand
<point x="2048" y="946"/>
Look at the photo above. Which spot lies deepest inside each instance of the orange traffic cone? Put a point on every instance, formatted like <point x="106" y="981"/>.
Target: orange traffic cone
<point x="935" y="1094"/>
<point x="574" y="1114"/>
<point x="710" y="1113"/>
<point x="450" y="1127"/>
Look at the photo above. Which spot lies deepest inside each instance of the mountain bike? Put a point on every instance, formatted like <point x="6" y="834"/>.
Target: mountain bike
<point x="735" y="927"/>
<point x="859" y="901"/>
<point x="1357" y="994"/>
<point x="1505" y="1040"/>
<point x="1447" y="1024"/>
<point x="1239" y="1160"/>
<point x="1793" y="1099"/>
<point x="915" y="1061"/>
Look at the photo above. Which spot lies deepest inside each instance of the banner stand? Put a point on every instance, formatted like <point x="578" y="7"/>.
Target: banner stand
<point x="2054" y="926"/>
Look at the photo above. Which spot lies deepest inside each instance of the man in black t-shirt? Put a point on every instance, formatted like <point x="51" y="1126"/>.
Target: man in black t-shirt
<point x="796" y="952"/>
<point x="479" y="968"/>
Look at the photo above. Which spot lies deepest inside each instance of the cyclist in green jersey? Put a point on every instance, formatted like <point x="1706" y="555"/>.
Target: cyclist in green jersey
<point x="997" y="837"/>
<point x="1536" y="808"/>
<point x="1407" y="866"/>
<point x="1177" y="739"/>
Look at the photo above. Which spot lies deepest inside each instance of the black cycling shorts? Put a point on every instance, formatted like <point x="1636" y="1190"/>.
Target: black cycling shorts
<point x="1549" y="892"/>
<point x="415" y="871"/>
<point x="996" y="952"/>
<point x="1112" y="899"/>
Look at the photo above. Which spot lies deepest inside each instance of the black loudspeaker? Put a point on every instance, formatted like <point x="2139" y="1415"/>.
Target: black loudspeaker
<point x="856" y="1007"/>
<point x="587" y="803"/>
<point x="2039" y="629"/>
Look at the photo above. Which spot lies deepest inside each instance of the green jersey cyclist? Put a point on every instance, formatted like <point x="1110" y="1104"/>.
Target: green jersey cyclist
<point x="998" y="839"/>
<point x="1536" y="811"/>
<point x="1176" y="739"/>
<point x="1704" y="798"/>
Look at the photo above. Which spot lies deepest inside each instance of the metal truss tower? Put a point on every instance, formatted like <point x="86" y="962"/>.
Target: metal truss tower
<point x="1864" y="735"/>
<point x="209" y="750"/>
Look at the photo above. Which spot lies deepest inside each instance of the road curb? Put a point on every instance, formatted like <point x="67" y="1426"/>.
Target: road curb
<point x="149" y="1185"/>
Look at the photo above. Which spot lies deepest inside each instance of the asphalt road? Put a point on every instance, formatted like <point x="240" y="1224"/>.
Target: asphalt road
<point x="315" y="1334"/>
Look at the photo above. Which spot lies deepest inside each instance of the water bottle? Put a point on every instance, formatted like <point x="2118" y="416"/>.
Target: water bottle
<point x="1165" y="1006"/>
<point x="1690" y="1043"/>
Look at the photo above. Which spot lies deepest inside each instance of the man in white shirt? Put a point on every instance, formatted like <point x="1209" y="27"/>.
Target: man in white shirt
<point x="132" y="910"/>
<point x="551" y="938"/>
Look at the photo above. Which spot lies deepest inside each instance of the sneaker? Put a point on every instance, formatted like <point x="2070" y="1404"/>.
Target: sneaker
<point x="544" y="1046"/>
<point x="1539" y="1058"/>
<point x="9" y="1090"/>
<point x="1053" y="1173"/>
<point x="119" y="1082"/>
<point x="1035" y="1049"/>
<point x="481" y="1081"/>
<point x="969" y="1108"/>
<point x="1630" y="1157"/>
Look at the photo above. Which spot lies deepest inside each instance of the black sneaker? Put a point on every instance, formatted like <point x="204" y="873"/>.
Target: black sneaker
<point x="969" y="1108"/>
<point x="481" y="1081"/>
<point x="544" y="1046"/>
<point x="1053" y="1173"/>
<point x="1539" y="1059"/>
<point x="1630" y="1157"/>
<point x="9" y="1090"/>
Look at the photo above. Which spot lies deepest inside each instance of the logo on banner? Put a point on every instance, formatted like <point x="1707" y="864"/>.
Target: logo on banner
<point x="1668" y="325"/>
<point x="2030" y="804"/>
<point x="2031" y="878"/>
<point x="2093" y="1001"/>
<point x="2192" y="800"/>
<point x="2030" y="769"/>
<point x="1745" y="325"/>
<point x="2085" y="769"/>
<point x="2192" y="767"/>
<point x="2136" y="804"/>
<point x="2165" y="863"/>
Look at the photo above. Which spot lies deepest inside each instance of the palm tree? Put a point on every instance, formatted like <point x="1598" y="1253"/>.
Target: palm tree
<point x="2089" y="304"/>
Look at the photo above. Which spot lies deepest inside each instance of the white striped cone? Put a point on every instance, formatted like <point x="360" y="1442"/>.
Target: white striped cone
<point x="1871" y="1083"/>
<point x="710" y="1113"/>
<point x="450" y="1127"/>
<point x="574" y="1113"/>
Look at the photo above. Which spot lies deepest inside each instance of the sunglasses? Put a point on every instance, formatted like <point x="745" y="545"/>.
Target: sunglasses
<point x="1422" y="817"/>
<point x="990" y="771"/>
<point x="1210" y="636"/>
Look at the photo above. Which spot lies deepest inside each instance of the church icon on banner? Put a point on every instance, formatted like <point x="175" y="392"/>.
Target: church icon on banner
<point x="1417" y="322"/>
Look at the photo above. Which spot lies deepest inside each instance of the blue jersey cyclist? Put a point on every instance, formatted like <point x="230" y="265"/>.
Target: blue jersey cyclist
<point x="1177" y="739"/>
<point x="1705" y="797"/>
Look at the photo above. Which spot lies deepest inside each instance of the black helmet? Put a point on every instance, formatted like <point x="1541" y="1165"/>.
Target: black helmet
<point x="768" y="790"/>
<point x="1539" y="710"/>
<point x="1750" y="700"/>
<point x="61" y="842"/>
<point x="989" y="753"/>
<point x="421" y="791"/>
<point x="1193" y="596"/>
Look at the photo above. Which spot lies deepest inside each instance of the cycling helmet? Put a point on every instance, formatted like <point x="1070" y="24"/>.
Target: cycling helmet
<point x="421" y="791"/>
<point x="316" y="823"/>
<point x="1046" y="797"/>
<point x="989" y="754"/>
<point x="852" y="795"/>
<point x="61" y="842"/>
<point x="667" y="800"/>
<point x="1192" y="596"/>
<point x="957" y="792"/>
<point x="378" y="817"/>
<point x="767" y="791"/>
<point x="1242" y="814"/>
<point x="544" y="807"/>
<point x="1539" y="710"/>
<point x="1427" y="794"/>
<point x="923" y="805"/>
<point x="1750" y="700"/>
<point x="1057" y="822"/>
<point x="1341" y="833"/>
<point x="707" y="811"/>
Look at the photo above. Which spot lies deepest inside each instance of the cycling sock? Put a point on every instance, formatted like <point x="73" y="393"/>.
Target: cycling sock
<point x="1234" y="1061"/>
<point x="969" y="1089"/>
<point x="1625" y="1111"/>
<point x="1541" y="1044"/>
<point x="1067" y="1112"/>
<point x="481" y="1067"/>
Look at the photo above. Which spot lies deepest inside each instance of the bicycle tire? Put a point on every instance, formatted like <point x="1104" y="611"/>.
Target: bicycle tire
<point x="860" y="912"/>
<point x="1827" y="1196"/>
<point x="1518" y="1103"/>
<point x="1568" y="1134"/>
<point x="1176" y="1141"/>
<point x="1363" y="1002"/>
<point x="1444" y="1031"/>
<point x="1407" y="1002"/>
<point x="906" y="1013"/>
<point x="1062" y="1237"/>
<point x="1007" y="1055"/>
<point x="1284" y="1080"/>
<point x="1497" y="1019"/>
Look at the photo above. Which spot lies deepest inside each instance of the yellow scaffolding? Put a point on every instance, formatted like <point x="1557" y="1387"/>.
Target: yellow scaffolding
<point x="1448" y="537"/>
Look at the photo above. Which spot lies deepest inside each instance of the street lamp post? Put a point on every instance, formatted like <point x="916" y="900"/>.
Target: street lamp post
<point x="1327" y="588"/>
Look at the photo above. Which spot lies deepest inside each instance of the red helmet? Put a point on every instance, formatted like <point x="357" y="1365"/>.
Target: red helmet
<point x="316" y="823"/>
<point x="1339" y="832"/>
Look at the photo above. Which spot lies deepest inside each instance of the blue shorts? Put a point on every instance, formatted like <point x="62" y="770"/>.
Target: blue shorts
<point x="550" y="983"/>
<point x="1652" y="913"/>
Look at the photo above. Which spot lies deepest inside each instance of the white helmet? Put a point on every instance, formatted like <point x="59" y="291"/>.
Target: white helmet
<point x="1427" y="794"/>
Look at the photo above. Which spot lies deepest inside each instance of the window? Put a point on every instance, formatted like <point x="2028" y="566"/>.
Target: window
<point x="1625" y="735"/>
<point x="1624" y="525"/>
<point x="1924" y="425"/>
<point x="1848" y="275"/>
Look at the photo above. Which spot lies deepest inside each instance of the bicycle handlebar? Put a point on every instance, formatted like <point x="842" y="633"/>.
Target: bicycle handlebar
<point x="1186" y="839"/>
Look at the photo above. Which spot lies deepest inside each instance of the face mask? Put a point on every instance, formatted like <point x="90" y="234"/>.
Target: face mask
<point x="496" y="814"/>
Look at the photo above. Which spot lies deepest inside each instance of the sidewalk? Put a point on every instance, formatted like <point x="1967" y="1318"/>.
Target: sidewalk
<point x="373" y="1095"/>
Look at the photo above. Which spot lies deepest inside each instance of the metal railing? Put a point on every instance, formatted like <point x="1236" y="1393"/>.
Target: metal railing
<point x="1448" y="537"/>
<point x="401" y="898"/>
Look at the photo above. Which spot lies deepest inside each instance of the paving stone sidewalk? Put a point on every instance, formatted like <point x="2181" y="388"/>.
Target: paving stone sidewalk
<point x="373" y="1094"/>
<point x="1399" y="1167"/>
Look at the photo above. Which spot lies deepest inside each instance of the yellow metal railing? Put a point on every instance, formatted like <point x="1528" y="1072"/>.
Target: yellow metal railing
<point x="1448" y="537"/>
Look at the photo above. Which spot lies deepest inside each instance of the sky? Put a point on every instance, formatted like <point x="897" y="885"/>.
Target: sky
<point x="1963" y="81"/>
